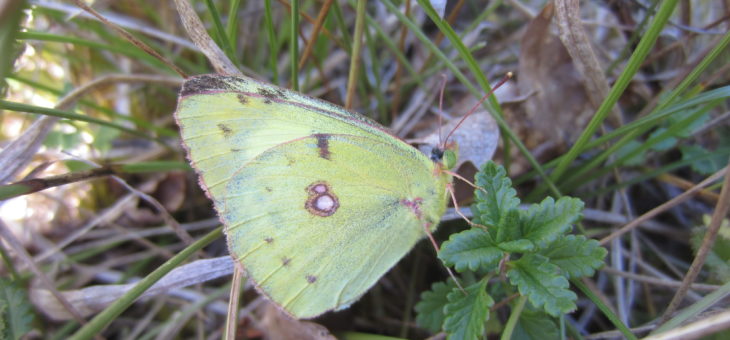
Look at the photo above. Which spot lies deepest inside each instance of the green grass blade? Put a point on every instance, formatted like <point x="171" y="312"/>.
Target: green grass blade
<point x="642" y="50"/>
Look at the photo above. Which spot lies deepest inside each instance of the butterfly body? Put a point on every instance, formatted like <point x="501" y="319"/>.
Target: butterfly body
<point x="318" y="202"/>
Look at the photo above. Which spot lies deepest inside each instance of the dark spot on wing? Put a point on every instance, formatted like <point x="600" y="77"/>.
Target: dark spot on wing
<point x="285" y="261"/>
<point x="267" y="101"/>
<point x="267" y="93"/>
<point x="242" y="99"/>
<point x="225" y="129"/>
<point x="210" y="83"/>
<point x="269" y="240"/>
<point x="269" y="189"/>
<point x="311" y="278"/>
<point x="323" y="145"/>
<point x="280" y="93"/>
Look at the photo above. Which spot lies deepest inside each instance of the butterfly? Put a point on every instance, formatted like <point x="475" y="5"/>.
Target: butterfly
<point x="318" y="202"/>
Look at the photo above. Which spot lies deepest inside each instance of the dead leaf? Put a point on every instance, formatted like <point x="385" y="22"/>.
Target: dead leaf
<point x="277" y="325"/>
<point x="559" y="108"/>
<point x="93" y="299"/>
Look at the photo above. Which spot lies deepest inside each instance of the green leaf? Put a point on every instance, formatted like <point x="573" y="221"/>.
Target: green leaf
<point x="430" y="309"/>
<point x="471" y="249"/>
<point x="663" y="145"/>
<point x="543" y="223"/>
<point x="576" y="256"/>
<point x="17" y="314"/>
<point x="509" y="228"/>
<point x="705" y="166"/>
<point x="687" y="129"/>
<point x="497" y="198"/>
<point x="540" y="281"/>
<point x="628" y="148"/>
<point x="466" y="313"/>
<point x="535" y="325"/>
<point x="104" y="137"/>
<point x="12" y="14"/>
<point x="718" y="258"/>
<point x="518" y="246"/>
<point x="3" y="309"/>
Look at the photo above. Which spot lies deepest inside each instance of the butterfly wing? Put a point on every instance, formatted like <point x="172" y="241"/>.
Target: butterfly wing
<point x="315" y="229"/>
<point x="227" y="121"/>
<point x="318" y="204"/>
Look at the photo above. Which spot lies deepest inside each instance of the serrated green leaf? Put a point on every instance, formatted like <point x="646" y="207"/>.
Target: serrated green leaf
<point x="518" y="246"/>
<point x="543" y="223"/>
<point x="535" y="325"/>
<point x="497" y="198"/>
<point x="430" y="310"/>
<point x="18" y="314"/>
<point x="576" y="256"/>
<point x="540" y="281"/>
<point x="467" y="313"/>
<point x="471" y="249"/>
<point x="509" y="228"/>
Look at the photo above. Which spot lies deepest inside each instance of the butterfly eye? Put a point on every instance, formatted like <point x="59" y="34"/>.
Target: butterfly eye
<point x="437" y="154"/>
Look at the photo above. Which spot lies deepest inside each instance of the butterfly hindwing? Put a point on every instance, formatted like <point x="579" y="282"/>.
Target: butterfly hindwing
<point x="315" y="228"/>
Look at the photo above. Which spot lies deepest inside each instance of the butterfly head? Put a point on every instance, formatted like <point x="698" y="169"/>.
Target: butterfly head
<point x="446" y="155"/>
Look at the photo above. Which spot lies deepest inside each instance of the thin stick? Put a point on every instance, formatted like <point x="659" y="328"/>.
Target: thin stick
<point x="315" y="32"/>
<point x="132" y="39"/>
<point x="436" y="246"/>
<point x="664" y="207"/>
<point x="233" y="300"/>
<point x="721" y="209"/>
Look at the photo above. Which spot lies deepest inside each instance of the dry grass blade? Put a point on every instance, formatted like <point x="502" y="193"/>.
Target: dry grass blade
<point x="197" y="32"/>
<point x="664" y="207"/>
<point x="578" y="45"/>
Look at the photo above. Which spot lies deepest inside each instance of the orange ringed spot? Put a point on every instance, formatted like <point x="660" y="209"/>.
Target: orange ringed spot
<point x="321" y="201"/>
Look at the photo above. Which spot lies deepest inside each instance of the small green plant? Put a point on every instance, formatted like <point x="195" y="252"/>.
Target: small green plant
<point x="530" y="249"/>
<point x="15" y="311"/>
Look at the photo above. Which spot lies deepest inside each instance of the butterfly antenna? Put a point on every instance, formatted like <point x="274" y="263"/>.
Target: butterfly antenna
<point x="441" y="104"/>
<point x="506" y="77"/>
<point x="436" y="246"/>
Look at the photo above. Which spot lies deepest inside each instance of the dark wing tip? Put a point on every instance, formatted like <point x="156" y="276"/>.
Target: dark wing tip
<point x="210" y="83"/>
